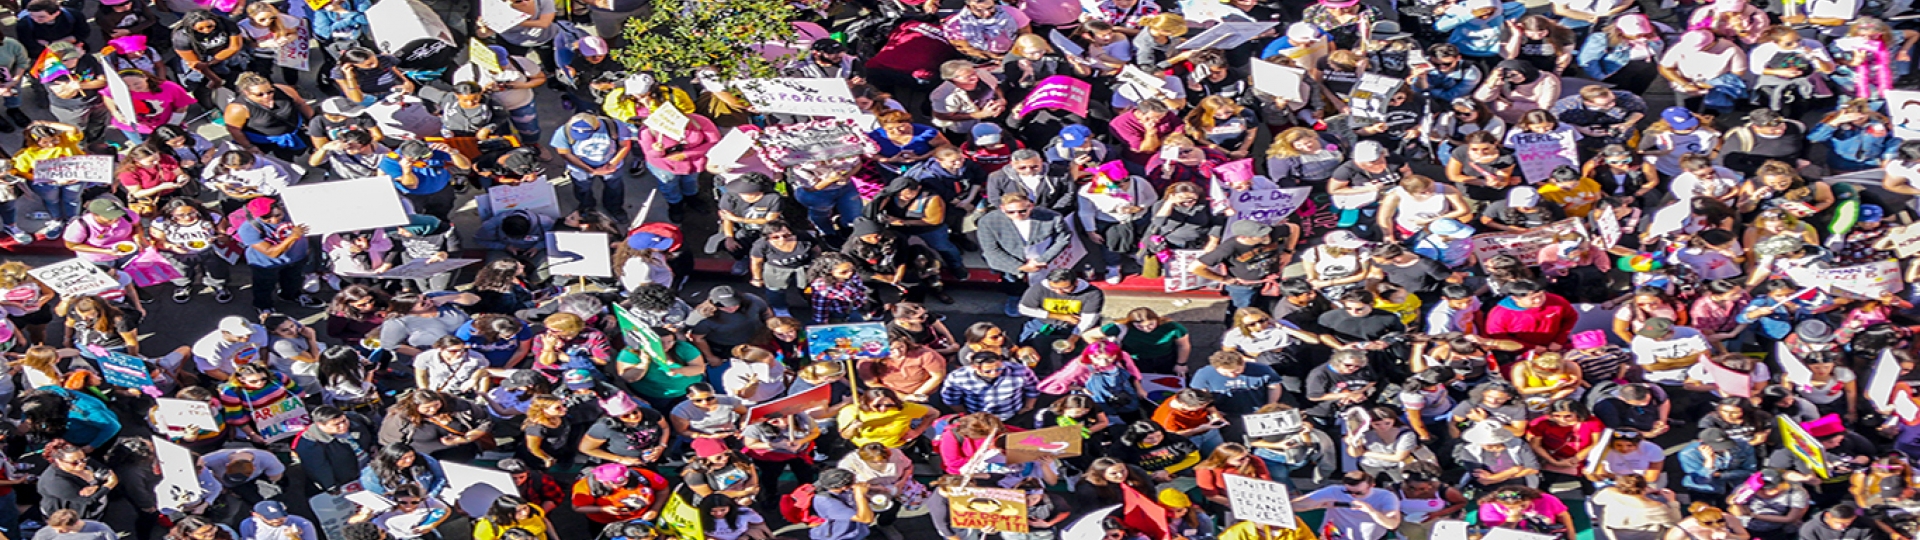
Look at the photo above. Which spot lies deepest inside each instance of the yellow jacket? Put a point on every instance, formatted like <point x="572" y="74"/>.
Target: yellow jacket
<point x="619" y="107"/>
<point x="1247" y="530"/>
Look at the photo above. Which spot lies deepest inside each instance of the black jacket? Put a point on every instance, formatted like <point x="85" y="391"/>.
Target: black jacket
<point x="332" y="461"/>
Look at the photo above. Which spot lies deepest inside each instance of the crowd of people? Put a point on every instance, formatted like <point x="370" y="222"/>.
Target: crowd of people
<point x="1469" y="180"/>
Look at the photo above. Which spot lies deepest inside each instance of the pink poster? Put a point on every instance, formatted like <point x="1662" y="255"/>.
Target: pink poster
<point x="1058" y="92"/>
<point x="1732" y="382"/>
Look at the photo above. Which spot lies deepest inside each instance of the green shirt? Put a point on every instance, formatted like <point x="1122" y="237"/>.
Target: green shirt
<point x="1159" y="343"/>
<point x="659" y="383"/>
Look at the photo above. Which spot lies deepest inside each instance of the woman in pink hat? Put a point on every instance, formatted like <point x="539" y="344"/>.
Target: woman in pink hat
<point x="1707" y="70"/>
<point x="1625" y="55"/>
<point x="1731" y="19"/>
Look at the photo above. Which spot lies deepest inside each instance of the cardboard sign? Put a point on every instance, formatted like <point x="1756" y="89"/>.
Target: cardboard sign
<point x="1905" y="108"/>
<point x="473" y="489"/>
<point x="1606" y="226"/>
<point x="1368" y="101"/>
<point x="584" y="254"/>
<point x="282" y="420"/>
<point x="1004" y="510"/>
<point x="1179" y="272"/>
<point x="500" y="16"/>
<point x="294" y="54"/>
<point x="1540" y="153"/>
<point x="821" y="140"/>
<point x="1802" y="445"/>
<point x="1067" y="259"/>
<point x="1865" y="281"/>
<point x="1260" y="501"/>
<point x="670" y="122"/>
<point x="1058" y="92"/>
<point x="536" y="196"/>
<point x="843" y="342"/>
<point x="1525" y="246"/>
<point x="808" y="97"/>
<point x="1730" y="382"/>
<point x="1273" y="423"/>
<point x="1904" y="241"/>
<point x="418" y="269"/>
<point x="181" y="418"/>
<point x="1026" y="446"/>
<point x="1269" y="206"/>
<point x="1886" y="373"/>
<point x="480" y="54"/>
<point x="179" y="483"/>
<point x="74" y="277"/>
<point x="1278" y="80"/>
<point x="345" y="205"/>
<point x="89" y="169"/>
<point x="1227" y="35"/>
<point x="123" y="370"/>
<point x="804" y="403"/>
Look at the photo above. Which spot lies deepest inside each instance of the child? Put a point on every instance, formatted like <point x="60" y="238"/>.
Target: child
<point x="836" y="291"/>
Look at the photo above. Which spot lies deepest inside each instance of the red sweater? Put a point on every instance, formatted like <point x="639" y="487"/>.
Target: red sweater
<point x="1550" y="323"/>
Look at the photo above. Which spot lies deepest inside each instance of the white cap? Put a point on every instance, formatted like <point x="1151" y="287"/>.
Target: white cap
<point x="1344" y="240"/>
<point x="1476" y="5"/>
<point x="1368" y="151"/>
<point x="1523" y="197"/>
<point x="236" y="326"/>
<point x="1302" y="32"/>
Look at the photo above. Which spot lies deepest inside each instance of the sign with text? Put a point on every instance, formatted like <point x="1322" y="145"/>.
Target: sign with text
<point x="1058" y="92"/>
<point x="1904" y="241"/>
<point x="74" y="277"/>
<point x="536" y="196"/>
<point x="88" y="169"/>
<point x="803" y="403"/>
<point x="584" y="254"/>
<point x="281" y="420"/>
<point x="182" y="418"/>
<point x="1540" y="153"/>
<point x="295" y="53"/>
<point x="1287" y="83"/>
<point x="1179" y="272"/>
<point x="1269" y="206"/>
<point x="124" y="370"/>
<point x="1003" y="510"/>
<point x="1227" y="35"/>
<point x="793" y="144"/>
<point x="1731" y="382"/>
<point x="1274" y="423"/>
<point x="345" y="205"/>
<point x="809" y="97"/>
<point x="1060" y="441"/>
<point x="1678" y="348"/>
<point x="1525" y="246"/>
<point x="1606" y="225"/>
<point x="1260" y="501"/>
<point x="1368" y="101"/>
<point x="1865" y="281"/>
<point x="669" y="121"/>
<point x="500" y="16"/>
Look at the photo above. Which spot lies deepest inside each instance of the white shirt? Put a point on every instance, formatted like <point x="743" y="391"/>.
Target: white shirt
<point x="1634" y="463"/>
<point x="1686" y="186"/>
<point x="1645" y="347"/>
<point x="215" y="353"/>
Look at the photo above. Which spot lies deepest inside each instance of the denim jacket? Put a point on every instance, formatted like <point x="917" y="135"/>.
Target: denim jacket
<point x="1461" y="82"/>
<point x="1601" y="60"/>
<point x="1476" y="37"/>
<point x="1734" y="467"/>
<point x="330" y="25"/>
<point x="1852" y="148"/>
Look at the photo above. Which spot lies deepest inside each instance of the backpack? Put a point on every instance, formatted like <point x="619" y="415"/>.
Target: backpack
<point x="797" y="507"/>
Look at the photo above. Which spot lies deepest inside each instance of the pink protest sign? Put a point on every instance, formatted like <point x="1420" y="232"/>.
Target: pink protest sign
<point x="1058" y="92"/>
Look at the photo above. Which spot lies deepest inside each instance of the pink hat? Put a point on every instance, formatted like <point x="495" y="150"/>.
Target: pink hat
<point x="619" y="405"/>
<point x="1824" y="426"/>
<point x="1235" y="171"/>
<point x="608" y="473"/>
<point x="1591" y="339"/>
<point x="1696" y="40"/>
<point x="1114" y="170"/>
<point x="260" y="207"/>
<point x="1339" y="3"/>
<point x="1634" y="24"/>
<point x="135" y="42"/>
<point x="708" y="447"/>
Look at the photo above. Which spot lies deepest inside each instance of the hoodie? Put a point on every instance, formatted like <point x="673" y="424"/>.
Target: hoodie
<point x="490" y="237"/>
<point x="1550" y="323"/>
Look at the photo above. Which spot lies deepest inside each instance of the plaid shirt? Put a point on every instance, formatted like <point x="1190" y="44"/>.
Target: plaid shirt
<point x="831" y="301"/>
<point x="1000" y="397"/>
<point x="539" y="489"/>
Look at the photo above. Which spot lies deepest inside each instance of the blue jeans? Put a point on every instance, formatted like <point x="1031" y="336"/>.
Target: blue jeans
<point x="613" y="191"/>
<point x="1208" y="441"/>
<point x="822" y="205"/>
<point x="10" y="514"/>
<point x="8" y="216"/>
<point x="675" y="187"/>
<point x="526" y="122"/>
<point x="63" y="202"/>
<point x="941" y="241"/>
<point x="1242" y="295"/>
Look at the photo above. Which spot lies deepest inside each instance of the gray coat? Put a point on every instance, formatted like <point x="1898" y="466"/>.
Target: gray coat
<point x="1004" y="248"/>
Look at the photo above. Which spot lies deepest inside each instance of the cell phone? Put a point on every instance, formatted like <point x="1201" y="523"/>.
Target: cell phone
<point x="1343" y="505"/>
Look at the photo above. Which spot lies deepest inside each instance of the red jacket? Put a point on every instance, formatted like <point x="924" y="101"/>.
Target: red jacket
<point x="1550" y="323"/>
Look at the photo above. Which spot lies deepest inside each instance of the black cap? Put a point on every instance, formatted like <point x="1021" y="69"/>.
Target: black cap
<point x="415" y="150"/>
<point x="521" y="161"/>
<point x="1716" y="439"/>
<point x="829" y="46"/>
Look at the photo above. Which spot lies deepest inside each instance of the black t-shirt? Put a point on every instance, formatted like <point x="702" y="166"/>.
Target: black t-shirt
<point x="624" y="440"/>
<point x="376" y="81"/>
<point x="1351" y="173"/>
<point x="1306" y="317"/>
<point x="185" y="39"/>
<point x="1369" y="327"/>
<point x="86" y="68"/>
<point x="769" y="204"/>
<point x="1503" y="214"/>
<point x="801" y="255"/>
<point x="1617" y="414"/>
<point x="1324" y="380"/>
<point x="325" y="128"/>
<point x="1424" y="276"/>
<point x="1244" y="261"/>
<point x="555" y="439"/>
<point x="1484" y="171"/>
<point x="1839" y="464"/>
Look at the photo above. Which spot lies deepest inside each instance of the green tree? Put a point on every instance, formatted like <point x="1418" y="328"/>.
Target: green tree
<point x="682" y="35"/>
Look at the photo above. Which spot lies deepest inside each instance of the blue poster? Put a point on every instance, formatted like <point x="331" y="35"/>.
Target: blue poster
<point x="124" y="370"/>
<point x="840" y="342"/>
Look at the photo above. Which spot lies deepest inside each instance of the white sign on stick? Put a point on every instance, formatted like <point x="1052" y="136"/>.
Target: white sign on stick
<point x="74" y="277"/>
<point x="179" y="475"/>
<point x="346" y="205"/>
<point x="1886" y="373"/>
<point x="1179" y="272"/>
<point x="184" y="417"/>
<point x="1797" y="371"/>
<point x="89" y="169"/>
<point x="1865" y="281"/>
<point x="1284" y="82"/>
<point x="811" y="97"/>
<point x="581" y="254"/>
<point x="1260" y="501"/>
<point x="473" y="489"/>
<point x="499" y="15"/>
<point x="536" y="196"/>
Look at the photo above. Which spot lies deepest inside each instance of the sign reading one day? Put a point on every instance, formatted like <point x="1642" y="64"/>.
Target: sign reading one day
<point x="74" y="277"/>
<point x="1524" y="246"/>
<point x="1268" y="206"/>
<point x="1540" y="153"/>
<point x="89" y="169"/>
<point x="811" y="97"/>
<point x="1260" y="501"/>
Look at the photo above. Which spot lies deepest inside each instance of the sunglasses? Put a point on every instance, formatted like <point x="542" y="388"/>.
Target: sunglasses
<point x="1714" y="523"/>
<point x="708" y="399"/>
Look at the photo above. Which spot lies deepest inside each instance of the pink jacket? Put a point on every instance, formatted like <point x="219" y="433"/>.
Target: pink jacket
<point x="1075" y="373"/>
<point x="701" y="135"/>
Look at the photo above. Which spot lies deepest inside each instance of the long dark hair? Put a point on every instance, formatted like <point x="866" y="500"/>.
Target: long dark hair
<point x="386" y="466"/>
<point x="706" y="511"/>
<point x="505" y="510"/>
<point x="342" y="305"/>
<point x="498" y="276"/>
<point x="339" y="364"/>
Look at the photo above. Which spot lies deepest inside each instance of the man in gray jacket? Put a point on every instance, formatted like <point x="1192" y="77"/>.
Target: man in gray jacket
<point x="1019" y="240"/>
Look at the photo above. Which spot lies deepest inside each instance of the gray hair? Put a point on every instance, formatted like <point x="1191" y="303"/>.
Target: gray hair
<point x="951" y="68"/>
<point x="1024" y="154"/>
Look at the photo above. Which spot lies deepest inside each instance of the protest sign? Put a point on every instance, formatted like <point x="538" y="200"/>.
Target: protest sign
<point x="1273" y="423"/>
<point x="1502" y="533"/>
<point x="1004" y="510"/>
<point x="1067" y="259"/>
<point x="500" y="16"/>
<point x="1138" y="85"/>
<point x="669" y="122"/>
<point x="1540" y="153"/>
<point x="1198" y="11"/>
<point x="418" y="269"/>
<point x="732" y="146"/>
<point x="1065" y="44"/>
<point x="583" y="254"/>
<point x="1797" y="371"/>
<point x="90" y="169"/>
<point x="1730" y="382"/>
<point x="1905" y="106"/>
<point x="479" y="54"/>
<point x="1886" y="374"/>
<point x="281" y="420"/>
<point x="1802" y="444"/>
<point x="473" y="489"/>
<point x="1227" y="35"/>
<point x="123" y="370"/>
<point x="851" y="341"/>
<point x="182" y="418"/>
<point x="330" y="513"/>
<point x="1059" y="441"/>
<point x="74" y="277"/>
<point x="1865" y="281"/>
<point x="1058" y="92"/>
<point x="1367" y="102"/>
<point x="1269" y="206"/>
<point x="1160" y="386"/>
<point x="1525" y="246"/>
<point x="1844" y="10"/>
<point x="807" y="402"/>
<point x="1179" y="272"/>
<point x="1601" y="444"/>
<point x="1905" y="241"/>
<point x="295" y="53"/>
<point x="396" y="23"/>
<point x="682" y="519"/>
<point x="1678" y="348"/>
<point x="808" y="97"/>
<point x="1606" y="225"/>
<point x="345" y="205"/>
<point x="1450" y="529"/>
<point x="1280" y="81"/>
<point x="1670" y="218"/>
<point x="117" y="87"/>
<point x="373" y="502"/>
<point x="532" y="196"/>
<point x="1905" y="408"/>
<point x="1260" y="501"/>
<point x="820" y="140"/>
<point x="179" y="484"/>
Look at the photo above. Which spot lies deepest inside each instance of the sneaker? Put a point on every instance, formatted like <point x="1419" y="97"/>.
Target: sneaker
<point x="52" y="229"/>
<point x="307" y="301"/>
<point x="182" y="294"/>
<point x="19" y="236"/>
<point x="312" y="284"/>
<point x="740" y="268"/>
<point x="1013" y="308"/>
<point x="222" y="295"/>
<point x="1113" y="275"/>
<point x="19" y="117"/>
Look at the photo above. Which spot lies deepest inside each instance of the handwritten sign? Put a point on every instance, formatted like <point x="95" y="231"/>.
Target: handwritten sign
<point x="669" y="121"/>
<point x="536" y="196"/>
<point x="345" y="205"/>
<point x="500" y="16"/>
<point x="124" y="370"/>
<point x="1678" y="348"/>
<point x="1269" y="206"/>
<point x="1281" y="81"/>
<point x="90" y="169"/>
<point x="418" y="269"/>
<point x="1368" y="100"/>
<point x="74" y="277"/>
<point x="1606" y="225"/>
<point x="1524" y="246"/>
<point x="1905" y="241"/>
<point x="1540" y="153"/>
<point x="1227" y="35"/>
<point x="181" y="418"/>
<point x="479" y="54"/>
<point x="1026" y="446"/>
<point x="1058" y="92"/>
<point x="788" y="145"/>
<point x="1004" y="510"/>
<point x="281" y="420"/>
<point x="1138" y="85"/>
<point x="179" y="483"/>
<point x="1179" y="272"/>
<point x="1731" y="382"/>
<point x="808" y="97"/>
<point x="585" y="254"/>
<point x="295" y="53"/>
<point x="1260" y="501"/>
<point x="1273" y="423"/>
<point x="1865" y="281"/>
<point x="818" y="397"/>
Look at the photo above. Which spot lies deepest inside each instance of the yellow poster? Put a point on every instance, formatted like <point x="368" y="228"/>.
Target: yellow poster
<point x="1061" y="306"/>
<point x="482" y="56"/>
<point x="1803" y="445"/>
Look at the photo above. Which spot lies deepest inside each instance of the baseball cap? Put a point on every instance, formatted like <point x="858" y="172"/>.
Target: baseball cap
<point x="744" y="187"/>
<point x="723" y="296"/>
<point x="646" y="240"/>
<point x="1657" y="327"/>
<point x="579" y="379"/>
<point x="1249" y="228"/>
<point x="414" y="150"/>
<point x="986" y="134"/>
<point x="593" y="46"/>
<point x="1523" y="197"/>
<point x="340" y="106"/>
<point x="1450" y="228"/>
<point x="1368" y="151"/>
<point x="1716" y="439"/>
<point x="1075" y="136"/>
<point x="1870" y="213"/>
<point x="521" y="161"/>
<point x="1680" y="118"/>
<point x="708" y="447"/>
<point x="271" y="509"/>
<point x="1344" y="240"/>
<point x="1301" y="32"/>
<point x="106" y="208"/>
<point x="236" y="326"/>
<point x="513" y="465"/>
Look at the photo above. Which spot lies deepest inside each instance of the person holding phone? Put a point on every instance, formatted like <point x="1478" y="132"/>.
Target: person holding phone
<point x="1355" y="505"/>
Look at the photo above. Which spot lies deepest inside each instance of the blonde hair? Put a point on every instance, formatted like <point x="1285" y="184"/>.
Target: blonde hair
<point x="1283" y="143"/>
<point x="565" y="322"/>
<point x="537" y="409"/>
<point x="1202" y="116"/>
<point x="1031" y="42"/>
<point x="752" y="353"/>
<point x="1165" y="23"/>
<point x="14" y="274"/>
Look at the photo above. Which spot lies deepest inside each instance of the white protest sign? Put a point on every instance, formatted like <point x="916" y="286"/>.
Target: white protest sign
<point x="1281" y="81"/>
<point x="1260" y="501"/>
<point x="1678" y="348"/>
<point x="1273" y="423"/>
<point x="375" y="503"/>
<point x="1138" y="85"/>
<point x="1797" y="371"/>
<point x="74" y="277"/>
<point x="1502" y="533"/>
<point x="1671" y="218"/>
<point x="1540" y="153"/>
<point x="579" y="254"/>
<point x="117" y="87"/>
<point x="1833" y="9"/>
<point x="1068" y="258"/>
<point x="1606" y="225"/>
<point x="1179" y="272"/>
<point x="1905" y="108"/>
<point x="1905" y="241"/>
<point x="345" y="205"/>
<point x="179" y="483"/>
<point x="1449" y="529"/>
<point x="1865" y="281"/>
<point x="1524" y="246"/>
<point x="499" y="15"/>
<point x="473" y="489"/>
<point x="811" y="97"/>
<point x="1368" y="100"/>
<point x="184" y="417"/>
<point x="418" y="269"/>
<point x="395" y="23"/>
<point x="1600" y="450"/>
<point x="1066" y="45"/>
<point x="1886" y="373"/>
<point x="295" y="53"/>
<point x="669" y="121"/>
<point x="1227" y="35"/>
<point x="90" y="169"/>
<point x="1269" y="206"/>
<point x="536" y="196"/>
<point x="1905" y="408"/>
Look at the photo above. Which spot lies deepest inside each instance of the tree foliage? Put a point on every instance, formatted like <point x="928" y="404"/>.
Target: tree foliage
<point x="683" y="35"/>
